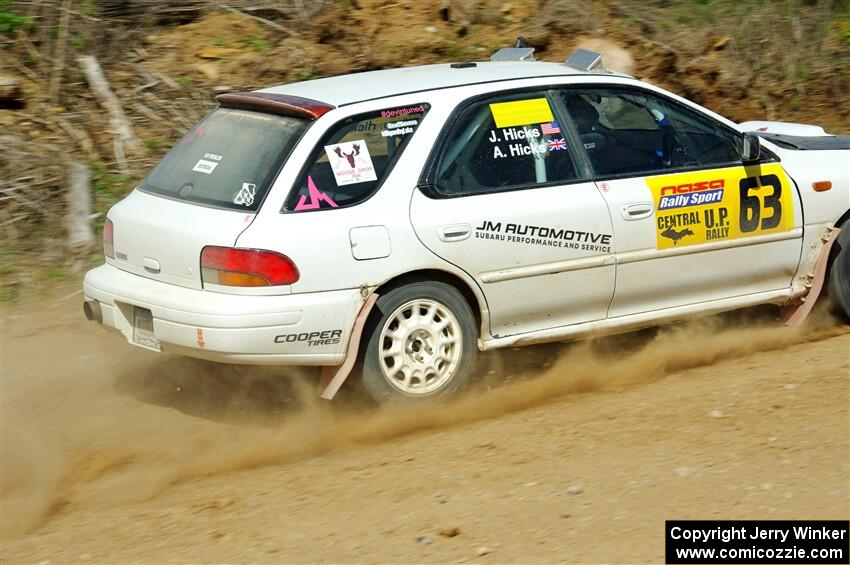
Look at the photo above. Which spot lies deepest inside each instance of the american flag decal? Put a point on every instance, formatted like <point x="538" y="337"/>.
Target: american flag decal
<point x="558" y="144"/>
<point x="550" y="129"/>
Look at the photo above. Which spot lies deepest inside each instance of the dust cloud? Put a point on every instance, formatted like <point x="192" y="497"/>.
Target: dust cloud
<point x="87" y="422"/>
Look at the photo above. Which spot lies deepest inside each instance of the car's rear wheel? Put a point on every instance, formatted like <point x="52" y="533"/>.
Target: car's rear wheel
<point x="421" y="344"/>
<point x="839" y="274"/>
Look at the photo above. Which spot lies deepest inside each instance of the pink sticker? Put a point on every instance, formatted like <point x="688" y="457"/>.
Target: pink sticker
<point x="316" y="198"/>
<point x="402" y="111"/>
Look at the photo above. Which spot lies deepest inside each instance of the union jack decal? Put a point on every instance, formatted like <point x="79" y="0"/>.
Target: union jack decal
<point x="559" y="144"/>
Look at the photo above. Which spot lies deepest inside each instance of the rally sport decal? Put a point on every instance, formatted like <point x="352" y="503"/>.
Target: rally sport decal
<point x="706" y="206"/>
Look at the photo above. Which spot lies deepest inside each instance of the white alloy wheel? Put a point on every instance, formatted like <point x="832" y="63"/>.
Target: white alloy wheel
<point x="420" y="346"/>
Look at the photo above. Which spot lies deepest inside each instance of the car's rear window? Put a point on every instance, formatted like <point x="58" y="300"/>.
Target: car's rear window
<point x="228" y="160"/>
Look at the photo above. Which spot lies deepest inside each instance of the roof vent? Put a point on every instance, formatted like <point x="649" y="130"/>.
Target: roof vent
<point x="520" y="52"/>
<point x="585" y="60"/>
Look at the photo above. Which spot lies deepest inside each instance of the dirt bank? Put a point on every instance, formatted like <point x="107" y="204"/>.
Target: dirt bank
<point x="111" y="454"/>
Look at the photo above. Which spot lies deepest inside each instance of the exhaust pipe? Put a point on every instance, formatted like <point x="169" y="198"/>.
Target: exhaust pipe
<point x="91" y="310"/>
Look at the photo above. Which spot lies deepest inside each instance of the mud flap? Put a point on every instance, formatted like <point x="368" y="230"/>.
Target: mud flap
<point x="795" y="315"/>
<point x="334" y="377"/>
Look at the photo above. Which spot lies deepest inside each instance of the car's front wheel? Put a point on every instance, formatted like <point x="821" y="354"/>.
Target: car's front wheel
<point x="421" y="344"/>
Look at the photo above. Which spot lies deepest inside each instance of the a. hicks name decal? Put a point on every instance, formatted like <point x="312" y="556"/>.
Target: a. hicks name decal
<point x="543" y="235"/>
<point x="701" y="207"/>
<point x="527" y="140"/>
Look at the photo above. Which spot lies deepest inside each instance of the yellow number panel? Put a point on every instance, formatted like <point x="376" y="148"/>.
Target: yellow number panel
<point x="721" y="204"/>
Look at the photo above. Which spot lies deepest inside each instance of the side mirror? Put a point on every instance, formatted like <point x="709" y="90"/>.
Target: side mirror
<point x="751" y="149"/>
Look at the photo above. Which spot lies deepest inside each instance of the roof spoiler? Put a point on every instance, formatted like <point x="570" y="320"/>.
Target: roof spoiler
<point x="282" y="104"/>
<point x="585" y="60"/>
<point x="519" y="52"/>
<point x="581" y="59"/>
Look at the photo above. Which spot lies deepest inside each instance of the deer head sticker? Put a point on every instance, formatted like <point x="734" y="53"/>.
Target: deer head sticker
<point x="350" y="162"/>
<point x="350" y="156"/>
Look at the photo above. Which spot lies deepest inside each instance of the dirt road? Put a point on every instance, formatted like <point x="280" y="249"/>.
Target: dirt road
<point x="111" y="454"/>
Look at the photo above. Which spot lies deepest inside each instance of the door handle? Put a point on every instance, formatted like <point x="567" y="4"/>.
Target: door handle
<point x="454" y="232"/>
<point x="151" y="265"/>
<point x="637" y="211"/>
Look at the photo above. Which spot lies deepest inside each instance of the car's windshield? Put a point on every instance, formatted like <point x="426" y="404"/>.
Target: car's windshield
<point x="228" y="160"/>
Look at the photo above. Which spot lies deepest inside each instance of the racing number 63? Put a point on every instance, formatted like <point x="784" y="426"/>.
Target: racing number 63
<point x="751" y="205"/>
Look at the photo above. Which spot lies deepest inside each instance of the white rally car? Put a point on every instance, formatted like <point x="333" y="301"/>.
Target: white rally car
<point x="406" y="219"/>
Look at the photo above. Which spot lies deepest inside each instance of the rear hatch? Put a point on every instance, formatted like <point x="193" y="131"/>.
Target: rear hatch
<point x="205" y="191"/>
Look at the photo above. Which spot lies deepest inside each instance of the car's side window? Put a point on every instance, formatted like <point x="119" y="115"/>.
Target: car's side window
<point x="504" y="142"/>
<point x="352" y="159"/>
<point x="631" y="131"/>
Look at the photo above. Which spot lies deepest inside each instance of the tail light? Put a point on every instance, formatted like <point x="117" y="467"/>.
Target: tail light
<point x="246" y="267"/>
<point x="108" y="239"/>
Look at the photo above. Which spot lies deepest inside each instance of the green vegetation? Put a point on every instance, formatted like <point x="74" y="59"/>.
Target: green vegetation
<point x="8" y="262"/>
<point x="88" y="7"/>
<point x="11" y="21"/>
<point x="256" y="44"/>
<point x="107" y="184"/>
<point x="154" y="145"/>
<point x="107" y="188"/>
<point x="843" y="29"/>
<point x="7" y="296"/>
<point x="58" y="273"/>
<point x="451" y="51"/>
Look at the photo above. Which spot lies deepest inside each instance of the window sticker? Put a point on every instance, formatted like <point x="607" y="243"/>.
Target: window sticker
<point x="365" y="127"/>
<point x="521" y="112"/>
<point x="557" y="144"/>
<point x="204" y="166"/>
<point x="527" y="140"/>
<point x="397" y="112"/>
<point x="403" y="127"/>
<point x="316" y="198"/>
<point x="351" y="162"/>
<point x="694" y="208"/>
<point x="245" y="196"/>
<point x="550" y="128"/>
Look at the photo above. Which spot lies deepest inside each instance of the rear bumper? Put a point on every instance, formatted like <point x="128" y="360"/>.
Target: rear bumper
<point x="293" y="329"/>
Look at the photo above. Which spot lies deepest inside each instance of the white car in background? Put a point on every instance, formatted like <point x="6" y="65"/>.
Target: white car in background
<point x="409" y="218"/>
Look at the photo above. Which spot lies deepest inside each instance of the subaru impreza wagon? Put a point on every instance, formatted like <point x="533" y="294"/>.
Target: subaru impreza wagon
<point x="400" y="221"/>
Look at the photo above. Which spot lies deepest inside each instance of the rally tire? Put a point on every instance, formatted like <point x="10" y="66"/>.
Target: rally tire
<point x="839" y="274"/>
<point x="422" y="344"/>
